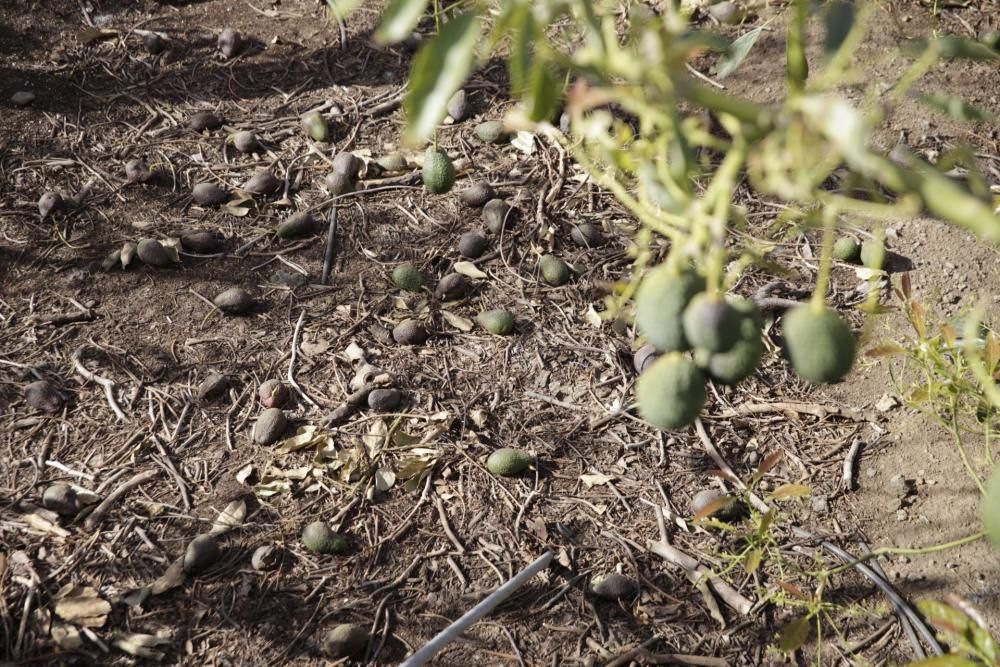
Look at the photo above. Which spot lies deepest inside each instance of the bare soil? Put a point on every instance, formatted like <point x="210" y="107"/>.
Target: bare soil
<point x="418" y="558"/>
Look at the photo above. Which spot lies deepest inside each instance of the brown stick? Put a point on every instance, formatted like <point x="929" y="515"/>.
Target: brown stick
<point x="102" y="509"/>
<point x="726" y="593"/>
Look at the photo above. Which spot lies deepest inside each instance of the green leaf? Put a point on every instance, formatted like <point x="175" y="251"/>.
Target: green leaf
<point x="786" y="491"/>
<point x="439" y="69"/>
<point x="752" y="560"/>
<point x="794" y="634"/>
<point x="522" y="29"/>
<point x="543" y="92"/>
<point x="957" y="108"/>
<point x="343" y="8"/>
<point x="399" y="20"/>
<point x="839" y="19"/>
<point x="737" y="53"/>
<point x="951" y="46"/>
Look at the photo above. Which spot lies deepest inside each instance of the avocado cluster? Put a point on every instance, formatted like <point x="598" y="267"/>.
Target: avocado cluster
<point x="703" y="334"/>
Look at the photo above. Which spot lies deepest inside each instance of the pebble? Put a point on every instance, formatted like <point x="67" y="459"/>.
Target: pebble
<point x="901" y="515"/>
<point x="871" y="472"/>
<point x="22" y="98"/>
<point x="901" y="486"/>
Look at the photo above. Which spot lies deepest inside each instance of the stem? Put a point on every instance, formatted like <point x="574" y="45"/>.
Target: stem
<point x="902" y="551"/>
<point x="826" y="259"/>
<point x="437" y="23"/>
<point x="961" y="448"/>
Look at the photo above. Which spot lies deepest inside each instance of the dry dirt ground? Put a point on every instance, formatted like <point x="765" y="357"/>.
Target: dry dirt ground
<point x="419" y="557"/>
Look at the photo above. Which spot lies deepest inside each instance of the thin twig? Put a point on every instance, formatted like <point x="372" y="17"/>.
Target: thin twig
<point x="852" y="454"/>
<point x="102" y="509"/>
<point x="108" y="385"/>
<point x="291" y="364"/>
<point x="725" y="468"/>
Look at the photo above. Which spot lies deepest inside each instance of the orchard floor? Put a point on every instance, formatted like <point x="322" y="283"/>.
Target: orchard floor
<point x="422" y="553"/>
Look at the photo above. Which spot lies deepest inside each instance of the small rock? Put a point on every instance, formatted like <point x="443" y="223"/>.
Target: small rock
<point x="871" y="472"/>
<point x="209" y="194"/>
<point x="137" y="171"/>
<point x="22" y="98"/>
<point x="234" y="301"/>
<point x="901" y="486"/>
<point x="820" y="504"/>
<point x="886" y="403"/>
<point x="262" y="183"/>
<point x="901" y="515"/>
<point x="43" y="396"/>
<point x="338" y="183"/>
<point x="213" y="387"/>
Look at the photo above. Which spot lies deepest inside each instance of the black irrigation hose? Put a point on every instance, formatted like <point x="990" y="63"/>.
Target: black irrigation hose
<point x="902" y="606"/>
<point x="331" y="237"/>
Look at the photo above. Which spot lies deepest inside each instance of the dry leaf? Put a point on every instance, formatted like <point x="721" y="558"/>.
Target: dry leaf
<point x="272" y="487"/>
<point x="82" y="605"/>
<point x="457" y="321"/>
<point x="38" y="522"/>
<point x="243" y="474"/>
<point x="595" y="479"/>
<point x="140" y="646"/>
<point x="469" y="269"/>
<point x="592" y="317"/>
<point x="66" y="636"/>
<point x="375" y="437"/>
<point x="524" y="142"/>
<point x="303" y="437"/>
<point x="355" y="352"/>
<point x="314" y="347"/>
<point x="384" y="479"/>
<point x="231" y="517"/>
<point x="170" y="579"/>
<point x="92" y="34"/>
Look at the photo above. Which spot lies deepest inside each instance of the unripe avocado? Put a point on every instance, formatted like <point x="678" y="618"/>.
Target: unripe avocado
<point x="587" y="235"/>
<point x="497" y="214"/>
<point x="554" y="270"/>
<point x="507" y="462"/>
<point x="846" y="249"/>
<point x="410" y="332"/>
<point x="234" y="301"/>
<point x="152" y="252"/>
<point x="438" y="172"/>
<point x="407" y="277"/>
<point x="711" y="323"/>
<point x="738" y="362"/>
<point x="273" y="394"/>
<point x="613" y="586"/>
<point x="660" y="303"/>
<point x="491" y="132"/>
<point x="819" y="343"/>
<point x="753" y="320"/>
<point x="297" y="224"/>
<point x="319" y="538"/>
<point x="472" y="245"/>
<point x="453" y="287"/>
<point x="873" y="253"/>
<point x="671" y="392"/>
<point x="269" y="427"/>
<point x="315" y="126"/>
<point x="477" y="194"/>
<point x="499" y="321"/>
<point x="346" y="641"/>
